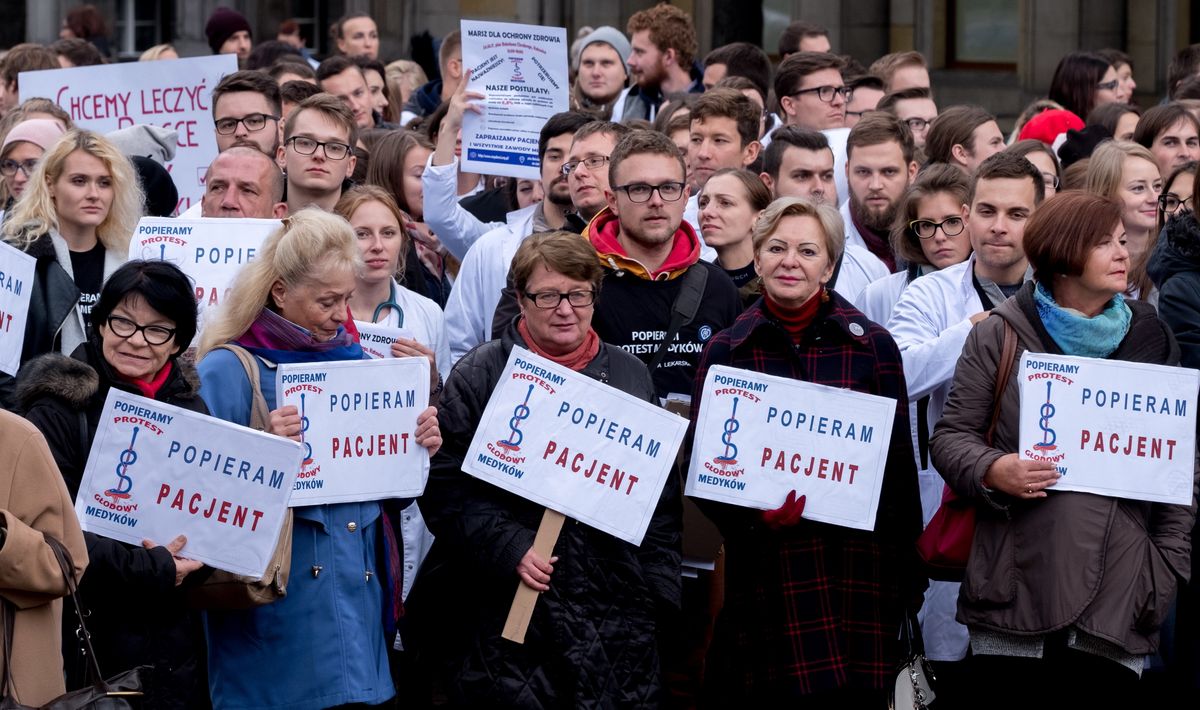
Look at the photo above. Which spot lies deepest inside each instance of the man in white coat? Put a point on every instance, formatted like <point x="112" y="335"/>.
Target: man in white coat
<point x="799" y="163"/>
<point x="484" y="271"/>
<point x="930" y="325"/>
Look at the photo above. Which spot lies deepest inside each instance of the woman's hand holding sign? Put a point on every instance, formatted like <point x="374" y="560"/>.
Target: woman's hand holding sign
<point x="1020" y="478"/>
<point x="429" y="434"/>
<point x="285" y="422"/>
<point x="535" y="572"/>
<point x="183" y="565"/>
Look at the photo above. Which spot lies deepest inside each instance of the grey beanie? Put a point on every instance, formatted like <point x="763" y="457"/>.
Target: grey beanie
<point x="611" y="36"/>
<point x="147" y="141"/>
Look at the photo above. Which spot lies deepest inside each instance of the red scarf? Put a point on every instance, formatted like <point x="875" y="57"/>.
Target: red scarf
<point x="796" y="320"/>
<point x="151" y="388"/>
<point x="575" y="360"/>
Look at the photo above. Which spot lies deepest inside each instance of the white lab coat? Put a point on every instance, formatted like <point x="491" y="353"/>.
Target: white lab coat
<point x="454" y="226"/>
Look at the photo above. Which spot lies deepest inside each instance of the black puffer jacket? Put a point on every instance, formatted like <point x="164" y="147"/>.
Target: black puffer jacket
<point x="1175" y="269"/>
<point x="592" y="642"/>
<point x="138" y="615"/>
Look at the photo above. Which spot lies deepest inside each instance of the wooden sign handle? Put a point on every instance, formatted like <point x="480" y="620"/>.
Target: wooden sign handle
<point x="524" y="600"/>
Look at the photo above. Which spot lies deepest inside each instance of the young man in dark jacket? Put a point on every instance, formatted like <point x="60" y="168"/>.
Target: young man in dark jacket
<point x="647" y="251"/>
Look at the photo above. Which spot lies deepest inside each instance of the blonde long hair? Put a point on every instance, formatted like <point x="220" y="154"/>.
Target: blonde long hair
<point x="309" y="238"/>
<point x="35" y="213"/>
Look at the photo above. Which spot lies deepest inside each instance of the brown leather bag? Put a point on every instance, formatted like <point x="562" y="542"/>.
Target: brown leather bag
<point x="226" y="590"/>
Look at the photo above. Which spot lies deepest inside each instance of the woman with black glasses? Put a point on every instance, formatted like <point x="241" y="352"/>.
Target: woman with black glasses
<point x="144" y="318"/>
<point x="593" y="638"/>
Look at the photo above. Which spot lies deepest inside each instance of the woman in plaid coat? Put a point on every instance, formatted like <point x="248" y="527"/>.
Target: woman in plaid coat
<point x="812" y="610"/>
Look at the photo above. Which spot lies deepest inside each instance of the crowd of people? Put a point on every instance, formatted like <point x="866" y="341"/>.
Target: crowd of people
<point x="815" y="219"/>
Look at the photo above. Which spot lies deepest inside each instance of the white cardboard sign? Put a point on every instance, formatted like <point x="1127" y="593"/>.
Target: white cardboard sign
<point x="1113" y="428"/>
<point x="175" y="94"/>
<point x="758" y="437"/>
<point x="522" y="72"/>
<point x="209" y="250"/>
<point x="156" y="471"/>
<point x="16" y="289"/>
<point x="376" y="340"/>
<point x="575" y="445"/>
<point x="358" y="425"/>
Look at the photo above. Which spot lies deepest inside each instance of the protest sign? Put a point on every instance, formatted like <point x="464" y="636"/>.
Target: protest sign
<point x="358" y="423"/>
<point x="210" y="251"/>
<point x="376" y="340"/>
<point x="575" y="445"/>
<point x="522" y="72"/>
<point x="1113" y="428"/>
<point x="174" y="94"/>
<point x="16" y="287"/>
<point x="759" y="437"/>
<point x="156" y="471"/>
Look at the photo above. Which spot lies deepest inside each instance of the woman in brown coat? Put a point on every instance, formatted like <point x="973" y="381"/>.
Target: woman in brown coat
<point x="34" y="500"/>
<point x="1064" y="591"/>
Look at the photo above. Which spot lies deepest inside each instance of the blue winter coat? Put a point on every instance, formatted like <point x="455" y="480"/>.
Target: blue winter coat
<point x="323" y="644"/>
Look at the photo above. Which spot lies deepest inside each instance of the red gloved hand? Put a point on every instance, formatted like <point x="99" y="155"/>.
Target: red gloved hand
<point x="787" y="514"/>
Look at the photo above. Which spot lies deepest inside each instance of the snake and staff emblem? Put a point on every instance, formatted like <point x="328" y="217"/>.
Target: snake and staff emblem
<point x="520" y="414"/>
<point x="308" y="459"/>
<point x="729" y="458"/>
<point x="124" y="482"/>
<point x="1048" y="435"/>
<point x="517" y="76"/>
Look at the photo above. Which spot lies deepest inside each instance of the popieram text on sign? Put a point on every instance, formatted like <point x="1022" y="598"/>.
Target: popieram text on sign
<point x="574" y="445"/>
<point x="1111" y="427"/>
<point x="16" y="289"/>
<point x="754" y="444"/>
<point x="156" y="471"/>
<point x="358" y="424"/>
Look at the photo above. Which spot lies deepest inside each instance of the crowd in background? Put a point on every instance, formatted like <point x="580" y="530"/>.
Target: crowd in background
<point x="814" y="217"/>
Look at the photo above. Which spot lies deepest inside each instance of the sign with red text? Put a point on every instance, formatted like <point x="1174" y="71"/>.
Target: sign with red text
<point x="156" y="471"/>
<point x="759" y="437"/>
<point x="174" y="94"/>
<point x="16" y="285"/>
<point x="358" y="425"/>
<point x="209" y="250"/>
<point x="376" y="340"/>
<point x="1113" y="428"/>
<point x="522" y="72"/>
<point x="575" y="445"/>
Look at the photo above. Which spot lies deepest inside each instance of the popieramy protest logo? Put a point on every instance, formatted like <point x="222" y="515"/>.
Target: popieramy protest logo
<point x="730" y="391"/>
<point x="117" y="503"/>
<point x="1052" y="374"/>
<point x="507" y="450"/>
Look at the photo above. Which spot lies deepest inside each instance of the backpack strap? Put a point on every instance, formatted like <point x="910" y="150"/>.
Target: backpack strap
<point x="260" y="414"/>
<point x="683" y="310"/>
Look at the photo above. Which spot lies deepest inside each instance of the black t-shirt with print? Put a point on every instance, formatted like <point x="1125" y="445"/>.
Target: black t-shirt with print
<point x="88" y="267"/>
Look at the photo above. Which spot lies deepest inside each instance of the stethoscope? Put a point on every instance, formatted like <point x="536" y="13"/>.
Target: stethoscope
<point x="389" y="303"/>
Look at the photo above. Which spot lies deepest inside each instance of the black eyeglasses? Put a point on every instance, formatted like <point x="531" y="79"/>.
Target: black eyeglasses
<point x="1109" y="85"/>
<point x="550" y="299"/>
<point x="254" y="122"/>
<point x="125" y="328"/>
<point x="8" y="168"/>
<point x="826" y="93"/>
<point x="308" y="146"/>
<point x="925" y="229"/>
<point x="1170" y="202"/>
<point x="641" y="192"/>
<point x="918" y="124"/>
<point x="594" y="162"/>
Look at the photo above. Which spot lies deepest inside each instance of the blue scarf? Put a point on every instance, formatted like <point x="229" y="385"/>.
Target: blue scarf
<point x="1075" y="333"/>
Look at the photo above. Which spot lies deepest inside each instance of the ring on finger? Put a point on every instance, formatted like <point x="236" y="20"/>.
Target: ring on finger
<point x="1029" y="490"/>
